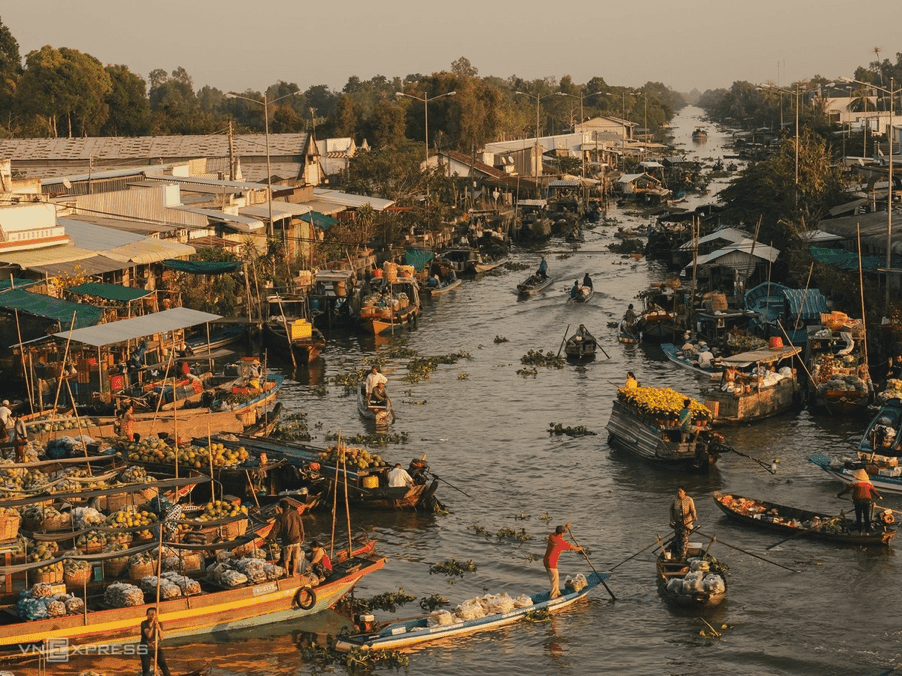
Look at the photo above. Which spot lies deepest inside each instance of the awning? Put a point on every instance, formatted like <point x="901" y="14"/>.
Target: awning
<point x="16" y="283"/>
<point x="203" y="267"/>
<point x="351" y="200"/>
<point x="417" y="258"/>
<point x="150" y="250"/>
<point x="35" y="257"/>
<point x="39" y="305"/>
<point x="846" y="259"/>
<point x="136" y="327"/>
<point x="233" y="221"/>
<point x="110" y="291"/>
<point x="321" y="221"/>
<point x="757" y="356"/>
<point x="280" y="210"/>
<point x="95" y="265"/>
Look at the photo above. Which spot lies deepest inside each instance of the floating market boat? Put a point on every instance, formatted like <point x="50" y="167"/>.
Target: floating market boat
<point x="757" y="393"/>
<point x="791" y="521"/>
<point x="884" y="433"/>
<point x="581" y="345"/>
<point x="534" y="284"/>
<point x="583" y="295"/>
<point x="416" y="630"/>
<point x="214" y="609"/>
<point x="840" y="382"/>
<point x="627" y="333"/>
<point x="644" y="422"/>
<point x="444" y="286"/>
<point x="390" y="306"/>
<point x="661" y="318"/>
<point x="886" y="478"/>
<point x="680" y="358"/>
<point x="382" y="414"/>
<point x="698" y="582"/>
<point x="700" y="134"/>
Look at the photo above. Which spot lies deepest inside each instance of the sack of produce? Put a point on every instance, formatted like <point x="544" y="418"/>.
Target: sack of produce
<point x="675" y="585"/>
<point x="186" y="584"/>
<point x="74" y="605"/>
<point x="714" y="584"/>
<point x="523" y="601"/>
<point x="577" y="583"/>
<point x="40" y="590"/>
<point x="232" y="578"/>
<point x="699" y="564"/>
<point x="273" y="572"/>
<point x="120" y="595"/>
<point x="56" y="608"/>
<point x="505" y="603"/>
<point x="439" y="618"/>
<point x="32" y="609"/>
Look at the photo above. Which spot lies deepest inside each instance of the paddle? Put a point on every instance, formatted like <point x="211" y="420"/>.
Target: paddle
<point x="602" y="349"/>
<point x="636" y="554"/>
<point x="738" y="549"/>
<point x="437" y="477"/>
<point x="613" y="598"/>
<point x="842" y="515"/>
<point x="563" y="341"/>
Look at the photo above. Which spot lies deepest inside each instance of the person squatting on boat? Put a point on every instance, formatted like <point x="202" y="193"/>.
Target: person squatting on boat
<point x="556" y="544"/>
<point x="152" y="653"/>
<point x="290" y="528"/>
<point x="682" y="518"/>
<point x="374" y="378"/>
<point x="320" y="564"/>
<point x="864" y="495"/>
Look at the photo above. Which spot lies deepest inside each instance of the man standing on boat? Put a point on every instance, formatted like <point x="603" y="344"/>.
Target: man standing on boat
<point x="374" y="378"/>
<point x="682" y="516"/>
<point x="543" y="269"/>
<point x="685" y="420"/>
<point x="864" y="495"/>
<point x="291" y="529"/>
<point x="151" y="637"/>
<point x="556" y="545"/>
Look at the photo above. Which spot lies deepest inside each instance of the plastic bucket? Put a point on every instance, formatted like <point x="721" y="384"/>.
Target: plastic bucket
<point x="775" y="342"/>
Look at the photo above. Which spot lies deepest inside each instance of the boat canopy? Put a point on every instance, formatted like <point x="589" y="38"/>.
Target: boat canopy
<point x="417" y="258"/>
<point x="40" y="305"/>
<point x="766" y="355"/>
<point x="137" y="327"/>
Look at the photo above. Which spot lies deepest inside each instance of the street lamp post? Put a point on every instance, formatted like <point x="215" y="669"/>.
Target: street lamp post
<point x="582" y="97"/>
<point x="426" y="100"/>
<point x="796" y="94"/>
<point x="891" y="92"/>
<point x="538" y="97"/>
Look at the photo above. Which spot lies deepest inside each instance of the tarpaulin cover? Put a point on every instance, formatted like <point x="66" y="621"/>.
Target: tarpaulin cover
<point x="417" y="258"/>
<point x="39" y="305"/>
<point x="137" y="327"/>
<point x="846" y="259"/>
<point x="203" y="267"/>
<point x="319" y="220"/>
<point x="16" y="283"/>
<point x="110" y="291"/>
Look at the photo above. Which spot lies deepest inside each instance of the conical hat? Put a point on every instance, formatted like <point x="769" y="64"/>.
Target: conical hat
<point x="861" y="475"/>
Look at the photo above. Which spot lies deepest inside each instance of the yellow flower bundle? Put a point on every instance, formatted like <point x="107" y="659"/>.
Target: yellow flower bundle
<point x="661" y="402"/>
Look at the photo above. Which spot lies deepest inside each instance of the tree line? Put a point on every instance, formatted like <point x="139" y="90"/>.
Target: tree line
<point x="63" y="92"/>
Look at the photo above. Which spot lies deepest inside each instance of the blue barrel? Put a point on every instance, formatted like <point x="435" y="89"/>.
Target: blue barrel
<point x="314" y="303"/>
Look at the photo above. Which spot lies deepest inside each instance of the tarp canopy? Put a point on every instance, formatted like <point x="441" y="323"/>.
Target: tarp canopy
<point x="846" y="259"/>
<point x="110" y="291"/>
<point x="417" y="258"/>
<point x="39" y="305"/>
<point x="203" y="267"/>
<point x="16" y="282"/>
<point x="320" y="220"/>
<point x="136" y="327"/>
<point x="767" y="355"/>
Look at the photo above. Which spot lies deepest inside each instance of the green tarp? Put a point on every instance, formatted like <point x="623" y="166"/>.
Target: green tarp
<point x="39" y="305"/>
<point x="110" y="291"/>
<point x="321" y="221"/>
<point x="203" y="267"/>
<point x="17" y="283"/>
<point x="417" y="258"/>
<point x="846" y="259"/>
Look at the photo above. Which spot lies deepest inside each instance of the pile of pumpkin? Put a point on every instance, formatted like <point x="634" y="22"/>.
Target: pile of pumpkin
<point x="661" y="403"/>
<point x="197" y="457"/>
<point x="354" y="457"/>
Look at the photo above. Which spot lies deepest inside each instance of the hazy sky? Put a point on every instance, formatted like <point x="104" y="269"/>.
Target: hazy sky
<point x="235" y="45"/>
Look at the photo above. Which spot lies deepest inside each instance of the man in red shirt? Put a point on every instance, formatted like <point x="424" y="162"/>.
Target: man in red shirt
<point x="864" y="495"/>
<point x="556" y="545"/>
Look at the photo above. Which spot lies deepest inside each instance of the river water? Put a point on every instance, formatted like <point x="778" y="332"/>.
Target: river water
<point x="484" y="429"/>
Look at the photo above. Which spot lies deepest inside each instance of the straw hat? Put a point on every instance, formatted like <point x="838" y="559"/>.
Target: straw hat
<point x="861" y="475"/>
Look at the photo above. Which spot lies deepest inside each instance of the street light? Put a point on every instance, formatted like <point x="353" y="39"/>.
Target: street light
<point x="774" y="87"/>
<point x="582" y="97"/>
<point x="891" y="92"/>
<point x="538" y="97"/>
<point x="426" y="101"/>
<point x="265" y="104"/>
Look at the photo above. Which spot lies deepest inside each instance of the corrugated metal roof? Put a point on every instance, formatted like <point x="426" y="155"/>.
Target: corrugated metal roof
<point x="96" y="237"/>
<point x="125" y="224"/>
<point x="327" y="208"/>
<point x="563" y="184"/>
<point x="280" y="210"/>
<point x="57" y="254"/>
<point x="206" y="185"/>
<point x="150" y="250"/>
<point x="95" y="265"/>
<point x="726" y="234"/>
<point x="350" y="200"/>
<point x="762" y="251"/>
<point x="138" y="327"/>
<point x="234" y="221"/>
<point x="629" y="178"/>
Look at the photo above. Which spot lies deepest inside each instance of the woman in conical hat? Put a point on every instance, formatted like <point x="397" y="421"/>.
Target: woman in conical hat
<point x="864" y="495"/>
<point x="861" y="475"/>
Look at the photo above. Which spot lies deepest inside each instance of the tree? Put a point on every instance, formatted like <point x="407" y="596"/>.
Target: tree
<point x="391" y="171"/>
<point x="174" y="106"/>
<point x="128" y="104"/>
<point x="344" y="121"/>
<point x="463" y="68"/>
<point x="65" y="85"/>
<point x="10" y="73"/>
<point x="386" y="126"/>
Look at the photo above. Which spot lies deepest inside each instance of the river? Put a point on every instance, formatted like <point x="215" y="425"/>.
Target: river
<point x="484" y="429"/>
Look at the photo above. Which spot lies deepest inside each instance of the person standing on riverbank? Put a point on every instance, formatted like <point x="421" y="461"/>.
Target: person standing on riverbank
<point x="556" y="545"/>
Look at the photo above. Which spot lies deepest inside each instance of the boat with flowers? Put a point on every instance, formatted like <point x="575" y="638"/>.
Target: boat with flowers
<point x="391" y="305"/>
<point x="791" y="521"/>
<point x="644" y="422"/>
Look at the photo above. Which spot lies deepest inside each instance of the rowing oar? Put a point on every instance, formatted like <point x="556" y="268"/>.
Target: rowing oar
<point x="769" y="466"/>
<point x="738" y="549"/>
<point x="842" y="515"/>
<point x="635" y="555"/>
<point x="563" y="341"/>
<point x="602" y="349"/>
<point x="437" y="477"/>
<point x="600" y="579"/>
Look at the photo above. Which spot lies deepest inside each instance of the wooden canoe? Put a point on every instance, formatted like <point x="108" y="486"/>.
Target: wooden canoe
<point x="845" y="471"/>
<point x="792" y="521"/>
<point x="534" y="285"/>
<point x="416" y="630"/>
<point x="381" y="414"/>
<point x="676" y="356"/>
<point x="581" y="346"/>
<point x="669" y="569"/>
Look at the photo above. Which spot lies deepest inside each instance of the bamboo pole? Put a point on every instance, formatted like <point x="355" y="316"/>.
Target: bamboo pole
<point x="28" y="389"/>
<point x="59" y="380"/>
<point x="287" y="333"/>
<point x="210" y="456"/>
<point x="339" y="453"/>
<point x="864" y="325"/>
<point x="344" y="463"/>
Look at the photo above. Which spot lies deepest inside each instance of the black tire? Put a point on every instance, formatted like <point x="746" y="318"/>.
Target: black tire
<point x="305" y="598"/>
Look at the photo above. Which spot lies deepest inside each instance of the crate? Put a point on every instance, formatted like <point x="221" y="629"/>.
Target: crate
<point x="300" y="329"/>
<point x="48" y="577"/>
<point x="9" y="527"/>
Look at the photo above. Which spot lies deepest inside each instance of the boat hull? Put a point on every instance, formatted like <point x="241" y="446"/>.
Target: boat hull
<point x="382" y="415"/>
<point x="668" y="569"/>
<point x="754" y="405"/>
<point x="378" y="325"/>
<point x="531" y="289"/>
<point x="889" y="484"/>
<point x="673" y="354"/>
<point x="305" y="349"/>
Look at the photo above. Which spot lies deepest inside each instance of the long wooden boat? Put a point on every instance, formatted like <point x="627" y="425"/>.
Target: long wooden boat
<point x="533" y="285"/>
<point x="678" y="357"/>
<point x="489" y="264"/>
<point x="658" y="440"/>
<point x="627" y="334"/>
<point x="215" y="609"/>
<point x="845" y="469"/>
<point x="305" y="349"/>
<point x="444" y="287"/>
<point x="581" y="346"/>
<point x="221" y="335"/>
<point x="384" y="318"/>
<point x="750" y="399"/>
<point x="382" y="414"/>
<point x="416" y="630"/>
<point x="791" y="521"/>
<point x="884" y="433"/>
<point x="669" y="569"/>
<point x="584" y="295"/>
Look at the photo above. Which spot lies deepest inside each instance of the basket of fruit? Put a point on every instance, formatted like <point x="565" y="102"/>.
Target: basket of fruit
<point x="9" y="523"/>
<point x="76" y="574"/>
<point x="115" y="567"/>
<point x="214" y="513"/>
<point x="52" y="573"/>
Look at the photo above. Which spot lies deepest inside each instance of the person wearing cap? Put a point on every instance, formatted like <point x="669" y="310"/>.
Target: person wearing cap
<point x="5" y="415"/>
<point x="556" y="544"/>
<point x="864" y="495"/>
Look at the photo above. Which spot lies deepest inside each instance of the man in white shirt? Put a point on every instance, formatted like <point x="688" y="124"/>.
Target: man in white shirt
<point x="5" y="415"/>
<point x="374" y="378"/>
<point x="399" y="478"/>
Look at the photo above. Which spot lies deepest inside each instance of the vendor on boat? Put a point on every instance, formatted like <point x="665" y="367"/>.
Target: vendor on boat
<point x="379" y="395"/>
<point x="682" y="518"/>
<point x="126" y="423"/>
<point x="631" y="382"/>
<point x="290" y="528"/>
<point x="319" y="560"/>
<point x="399" y="478"/>
<point x="556" y="544"/>
<point x="374" y="378"/>
<point x="5" y="417"/>
<point x="575" y="290"/>
<point x="864" y="495"/>
<point x="543" y="269"/>
<point x="587" y="281"/>
<point x="685" y="420"/>
<point x="151" y="637"/>
<point x="630" y="316"/>
<point x="19" y="437"/>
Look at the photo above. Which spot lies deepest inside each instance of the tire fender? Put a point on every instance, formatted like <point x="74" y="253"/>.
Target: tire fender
<point x="305" y="599"/>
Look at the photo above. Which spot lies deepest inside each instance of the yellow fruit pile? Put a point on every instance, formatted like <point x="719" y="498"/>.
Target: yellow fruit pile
<point x="218" y="509"/>
<point x="661" y="402"/>
<point x="42" y="552"/>
<point x="92" y="537"/>
<point x="355" y="457"/>
<point x="130" y="517"/>
<point x="197" y="457"/>
<point x="72" y="566"/>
